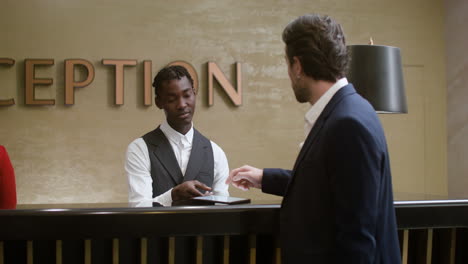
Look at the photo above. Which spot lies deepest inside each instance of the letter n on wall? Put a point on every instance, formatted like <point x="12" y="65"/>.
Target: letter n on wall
<point x="234" y="94"/>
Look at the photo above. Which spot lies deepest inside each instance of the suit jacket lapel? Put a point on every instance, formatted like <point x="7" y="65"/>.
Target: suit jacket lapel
<point x="197" y="155"/>
<point x="166" y="157"/>
<point x="346" y="90"/>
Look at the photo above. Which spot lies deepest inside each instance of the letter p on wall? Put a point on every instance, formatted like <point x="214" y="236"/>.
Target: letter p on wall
<point x="71" y="83"/>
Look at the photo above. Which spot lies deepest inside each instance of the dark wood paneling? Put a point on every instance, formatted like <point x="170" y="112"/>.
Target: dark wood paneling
<point x="247" y="226"/>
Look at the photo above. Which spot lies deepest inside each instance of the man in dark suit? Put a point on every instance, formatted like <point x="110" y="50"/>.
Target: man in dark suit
<point x="338" y="201"/>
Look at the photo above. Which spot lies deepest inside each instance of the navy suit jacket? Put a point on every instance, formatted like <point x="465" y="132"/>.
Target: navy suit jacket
<point x="338" y="201"/>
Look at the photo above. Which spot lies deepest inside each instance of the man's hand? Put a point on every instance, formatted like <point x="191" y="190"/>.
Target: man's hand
<point x="246" y="177"/>
<point x="189" y="189"/>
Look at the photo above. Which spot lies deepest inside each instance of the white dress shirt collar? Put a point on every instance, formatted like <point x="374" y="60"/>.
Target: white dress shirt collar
<point x="314" y="112"/>
<point x="317" y="108"/>
<point x="176" y="137"/>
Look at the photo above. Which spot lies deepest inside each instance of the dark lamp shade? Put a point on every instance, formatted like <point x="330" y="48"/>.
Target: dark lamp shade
<point x="376" y="73"/>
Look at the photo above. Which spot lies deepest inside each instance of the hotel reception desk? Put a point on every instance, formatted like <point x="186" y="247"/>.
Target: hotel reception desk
<point x="430" y="231"/>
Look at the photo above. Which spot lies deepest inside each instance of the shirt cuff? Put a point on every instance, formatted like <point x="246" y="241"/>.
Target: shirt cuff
<point x="164" y="199"/>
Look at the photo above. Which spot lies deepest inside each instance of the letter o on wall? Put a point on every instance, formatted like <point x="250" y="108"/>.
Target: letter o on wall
<point x="190" y="69"/>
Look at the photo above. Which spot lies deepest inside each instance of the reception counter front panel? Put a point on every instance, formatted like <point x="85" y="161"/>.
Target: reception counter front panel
<point x="430" y="232"/>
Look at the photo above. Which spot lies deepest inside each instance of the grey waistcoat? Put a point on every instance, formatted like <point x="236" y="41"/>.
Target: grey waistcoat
<point x="165" y="170"/>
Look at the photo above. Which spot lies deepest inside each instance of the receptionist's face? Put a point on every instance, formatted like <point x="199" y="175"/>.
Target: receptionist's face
<point x="177" y="98"/>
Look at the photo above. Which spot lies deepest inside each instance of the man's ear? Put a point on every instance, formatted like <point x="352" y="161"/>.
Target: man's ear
<point x="297" y="67"/>
<point x="157" y="101"/>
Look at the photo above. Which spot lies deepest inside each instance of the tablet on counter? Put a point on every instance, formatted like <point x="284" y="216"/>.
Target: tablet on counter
<point x="213" y="199"/>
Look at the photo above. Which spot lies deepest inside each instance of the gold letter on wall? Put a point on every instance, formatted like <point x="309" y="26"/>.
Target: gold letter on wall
<point x="119" y="77"/>
<point x="70" y="82"/>
<point x="214" y="71"/>
<point x="9" y="62"/>
<point x="31" y="81"/>
<point x="191" y="70"/>
<point x="148" y="82"/>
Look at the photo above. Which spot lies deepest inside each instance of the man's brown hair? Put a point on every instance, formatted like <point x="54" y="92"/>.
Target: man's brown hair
<point x="319" y="44"/>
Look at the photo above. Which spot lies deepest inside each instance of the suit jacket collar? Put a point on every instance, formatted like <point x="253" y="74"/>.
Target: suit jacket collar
<point x="164" y="153"/>
<point x="198" y="154"/>
<point x="343" y="92"/>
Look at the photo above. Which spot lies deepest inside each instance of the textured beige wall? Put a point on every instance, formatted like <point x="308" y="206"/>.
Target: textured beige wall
<point x="457" y="96"/>
<point x="76" y="154"/>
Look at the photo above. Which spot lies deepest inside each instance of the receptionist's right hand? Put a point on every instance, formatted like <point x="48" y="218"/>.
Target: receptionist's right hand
<point x="188" y="189"/>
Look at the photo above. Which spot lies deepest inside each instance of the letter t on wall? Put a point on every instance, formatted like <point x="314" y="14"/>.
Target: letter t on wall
<point x="119" y="77"/>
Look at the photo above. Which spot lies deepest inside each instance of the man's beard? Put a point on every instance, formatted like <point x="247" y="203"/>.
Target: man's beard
<point x="302" y="94"/>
